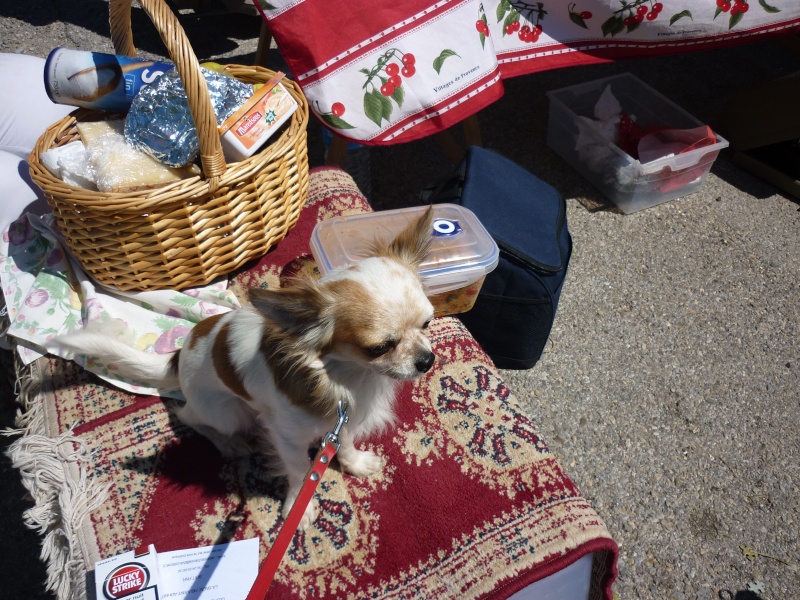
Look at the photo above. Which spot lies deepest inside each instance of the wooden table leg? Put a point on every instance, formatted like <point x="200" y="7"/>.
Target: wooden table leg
<point x="337" y="152"/>
<point x="455" y="151"/>
<point x="264" y="42"/>
<point x="472" y="131"/>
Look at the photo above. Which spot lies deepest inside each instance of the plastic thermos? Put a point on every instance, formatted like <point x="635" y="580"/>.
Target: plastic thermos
<point x="97" y="80"/>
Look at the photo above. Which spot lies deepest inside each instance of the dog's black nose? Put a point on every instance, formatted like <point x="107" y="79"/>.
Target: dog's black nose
<point x="424" y="363"/>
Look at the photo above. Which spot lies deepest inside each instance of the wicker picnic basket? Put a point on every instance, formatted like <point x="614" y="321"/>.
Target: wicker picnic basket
<point x="189" y="232"/>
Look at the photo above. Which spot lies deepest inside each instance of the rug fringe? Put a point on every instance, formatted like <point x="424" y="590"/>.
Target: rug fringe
<point x="61" y="502"/>
<point x="27" y="387"/>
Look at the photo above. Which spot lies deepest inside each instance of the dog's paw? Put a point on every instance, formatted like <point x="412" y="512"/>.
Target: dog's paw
<point x="309" y="516"/>
<point x="361" y="463"/>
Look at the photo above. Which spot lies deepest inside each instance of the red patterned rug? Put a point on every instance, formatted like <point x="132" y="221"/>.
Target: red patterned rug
<point x="470" y="503"/>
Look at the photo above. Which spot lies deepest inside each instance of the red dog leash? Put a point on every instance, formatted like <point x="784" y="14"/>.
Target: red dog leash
<point x="330" y="445"/>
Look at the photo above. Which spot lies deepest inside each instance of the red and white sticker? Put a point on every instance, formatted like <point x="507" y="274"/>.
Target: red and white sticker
<point x="126" y="579"/>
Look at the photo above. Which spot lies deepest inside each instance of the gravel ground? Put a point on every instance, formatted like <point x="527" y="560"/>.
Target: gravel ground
<point x="670" y="389"/>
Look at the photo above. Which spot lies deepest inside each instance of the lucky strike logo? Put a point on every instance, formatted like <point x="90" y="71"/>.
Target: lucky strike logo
<point x="125" y="579"/>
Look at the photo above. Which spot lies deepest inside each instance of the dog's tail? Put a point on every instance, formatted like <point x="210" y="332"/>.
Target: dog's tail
<point x="155" y="370"/>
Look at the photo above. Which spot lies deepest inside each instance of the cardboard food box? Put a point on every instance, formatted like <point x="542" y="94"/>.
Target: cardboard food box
<point x="462" y="251"/>
<point x="249" y="128"/>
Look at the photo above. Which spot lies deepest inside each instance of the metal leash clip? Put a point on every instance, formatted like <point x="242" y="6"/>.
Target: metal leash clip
<point x="332" y="436"/>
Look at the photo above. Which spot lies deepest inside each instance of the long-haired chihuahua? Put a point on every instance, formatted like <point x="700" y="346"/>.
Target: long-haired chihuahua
<point x="279" y="366"/>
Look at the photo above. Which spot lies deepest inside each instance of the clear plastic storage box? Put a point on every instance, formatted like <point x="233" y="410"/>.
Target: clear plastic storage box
<point x="628" y="183"/>
<point x="462" y="251"/>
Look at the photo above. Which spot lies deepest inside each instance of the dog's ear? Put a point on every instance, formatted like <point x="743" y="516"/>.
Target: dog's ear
<point x="298" y="310"/>
<point x="411" y="245"/>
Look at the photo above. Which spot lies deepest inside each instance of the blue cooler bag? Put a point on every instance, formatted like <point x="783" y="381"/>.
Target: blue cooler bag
<point x="516" y="306"/>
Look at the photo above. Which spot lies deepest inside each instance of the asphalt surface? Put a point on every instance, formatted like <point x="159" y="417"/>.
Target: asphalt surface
<point x="670" y="388"/>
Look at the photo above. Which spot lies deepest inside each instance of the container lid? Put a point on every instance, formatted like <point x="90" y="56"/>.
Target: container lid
<point x="462" y="251"/>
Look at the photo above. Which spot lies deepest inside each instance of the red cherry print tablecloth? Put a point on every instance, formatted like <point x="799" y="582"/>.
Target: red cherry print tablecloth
<point x="389" y="72"/>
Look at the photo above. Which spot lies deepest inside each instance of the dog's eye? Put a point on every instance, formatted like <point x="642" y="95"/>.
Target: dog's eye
<point x="426" y="324"/>
<point x="381" y="349"/>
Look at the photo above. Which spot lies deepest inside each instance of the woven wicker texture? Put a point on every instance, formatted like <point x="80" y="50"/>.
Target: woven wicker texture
<point x="189" y="232"/>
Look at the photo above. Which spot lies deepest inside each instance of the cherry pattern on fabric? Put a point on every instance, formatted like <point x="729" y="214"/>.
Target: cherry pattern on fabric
<point x="522" y="19"/>
<point x="333" y="117"/>
<point x="384" y="84"/>
<point x="528" y="29"/>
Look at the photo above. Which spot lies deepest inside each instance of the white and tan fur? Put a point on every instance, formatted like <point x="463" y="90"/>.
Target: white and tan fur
<point x="279" y="366"/>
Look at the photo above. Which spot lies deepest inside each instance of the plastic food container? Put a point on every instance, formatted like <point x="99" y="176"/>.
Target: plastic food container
<point x="462" y="251"/>
<point x="628" y="183"/>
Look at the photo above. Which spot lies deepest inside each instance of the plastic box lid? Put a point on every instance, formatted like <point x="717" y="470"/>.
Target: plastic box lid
<point x="462" y="251"/>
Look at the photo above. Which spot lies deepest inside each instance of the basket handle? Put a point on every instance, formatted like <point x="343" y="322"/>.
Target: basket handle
<point x="174" y="38"/>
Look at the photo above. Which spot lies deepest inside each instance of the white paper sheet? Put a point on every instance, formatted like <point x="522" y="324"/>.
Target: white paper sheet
<point x="220" y="572"/>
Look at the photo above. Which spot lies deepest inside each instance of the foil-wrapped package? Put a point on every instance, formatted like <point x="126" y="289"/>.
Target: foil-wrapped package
<point x="160" y="123"/>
